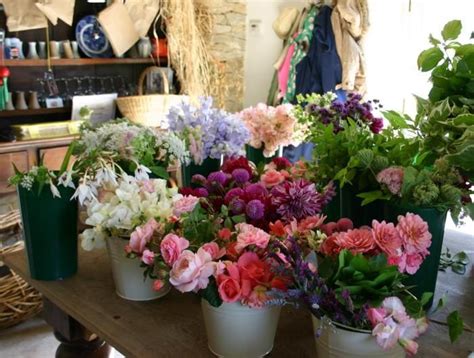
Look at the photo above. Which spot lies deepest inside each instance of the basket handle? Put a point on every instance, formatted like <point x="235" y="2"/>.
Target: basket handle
<point x="149" y="70"/>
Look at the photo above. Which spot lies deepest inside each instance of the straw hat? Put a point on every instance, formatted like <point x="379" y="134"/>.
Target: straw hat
<point x="284" y="22"/>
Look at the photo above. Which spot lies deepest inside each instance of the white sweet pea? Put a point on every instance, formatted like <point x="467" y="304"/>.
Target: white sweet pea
<point x="66" y="180"/>
<point x="54" y="190"/>
<point x="84" y="193"/>
<point x="141" y="173"/>
<point x="106" y="176"/>
<point x="92" y="239"/>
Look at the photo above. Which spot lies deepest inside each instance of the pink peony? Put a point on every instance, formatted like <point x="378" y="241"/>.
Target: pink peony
<point x="414" y="233"/>
<point x="191" y="271"/>
<point x="213" y="250"/>
<point x="356" y="241"/>
<point x="171" y="247"/>
<point x="271" y="178"/>
<point x="185" y="205"/>
<point x="142" y="236"/>
<point x="250" y="235"/>
<point x="148" y="257"/>
<point x="229" y="285"/>
<point x="393" y="178"/>
<point x="386" y="237"/>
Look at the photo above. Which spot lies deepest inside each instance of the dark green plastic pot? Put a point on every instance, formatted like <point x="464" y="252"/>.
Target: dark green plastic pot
<point x="208" y="166"/>
<point x="256" y="155"/>
<point x="425" y="278"/>
<point x="50" y="230"/>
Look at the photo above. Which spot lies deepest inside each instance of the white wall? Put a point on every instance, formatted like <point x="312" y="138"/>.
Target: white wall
<point x="263" y="48"/>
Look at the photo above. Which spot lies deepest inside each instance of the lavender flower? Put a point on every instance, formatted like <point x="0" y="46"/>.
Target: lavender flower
<point x="219" y="177"/>
<point x="237" y="206"/>
<point x="255" y="209"/>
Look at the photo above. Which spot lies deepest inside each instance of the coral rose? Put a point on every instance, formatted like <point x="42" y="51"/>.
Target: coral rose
<point x="171" y="247"/>
<point x="386" y="237"/>
<point x="229" y="285"/>
<point x="272" y="178"/>
<point x="330" y="246"/>
<point x="356" y="241"/>
<point x="253" y="269"/>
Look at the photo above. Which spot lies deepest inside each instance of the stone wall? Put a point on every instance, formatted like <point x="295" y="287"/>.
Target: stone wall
<point x="227" y="44"/>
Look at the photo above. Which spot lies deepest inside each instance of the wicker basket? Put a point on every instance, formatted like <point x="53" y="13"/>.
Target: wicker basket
<point x="149" y="110"/>
<point x="18" y="300"/>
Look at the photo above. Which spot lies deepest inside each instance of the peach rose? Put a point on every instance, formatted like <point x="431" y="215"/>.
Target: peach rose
<point x="251" y="235"/>
<point x="356" y="241"/>
<point x="191" y="271"/>
<point x="171" y="247"/>
<point x="272" y="178"/>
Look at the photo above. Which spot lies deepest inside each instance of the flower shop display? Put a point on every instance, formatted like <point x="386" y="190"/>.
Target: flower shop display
<point x="130" y="218"/>
<point x="351" y="281"/>
<point x="103" y="154"/>
<point x="210" y="134"/>
<point x="271" y="128"/>
<point x="49" y="218"/>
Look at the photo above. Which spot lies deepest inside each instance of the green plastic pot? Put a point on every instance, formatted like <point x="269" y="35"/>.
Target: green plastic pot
<point x="425" y="278"/>
<point x="50" y="230"/>
<point x="256" y="155"/>
<point x="208" y="166"/>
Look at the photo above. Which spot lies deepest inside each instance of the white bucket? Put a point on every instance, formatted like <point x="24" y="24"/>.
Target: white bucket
<point x="128" y="275"/>
<point x="237" y="331"/>
<point x="347" y="342"/>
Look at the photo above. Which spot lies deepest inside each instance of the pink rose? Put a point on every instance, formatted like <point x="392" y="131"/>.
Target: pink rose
<point x="253" y="269"/>
<point x="271" y="178"/>
<point x="148" y="257"/>
<point x="413" y="263"/>
<point x="250" y="235"/>
<point x="229" y="285"/>
<point x="158" y="285"/>
<point x="214" y="250"/>
<point x="387" y="238"/>
<point x="414" y="233"/>
<point x="142" y="236"/>
<point x="171" y="247"/>
<point x="191" y="271"/>
<point x="310" y="223"/>
<point x="376" y="315"/>
<point x="185" y="205"/>
<point x="356" y="241"/>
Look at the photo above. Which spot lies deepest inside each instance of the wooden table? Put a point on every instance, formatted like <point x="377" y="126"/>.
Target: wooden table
<point x="173" y="326"/>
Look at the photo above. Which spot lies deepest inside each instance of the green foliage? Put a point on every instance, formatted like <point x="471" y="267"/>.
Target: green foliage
<point x="458" y="262"/>
<point x="211" y="294"/>
<point x="198" y="228"/>
<point x="455" y="325"/>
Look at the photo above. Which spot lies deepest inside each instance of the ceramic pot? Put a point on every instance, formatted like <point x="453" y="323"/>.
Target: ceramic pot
<point x="32" y="54"/>
<point x="42" y="50"/>
<point x="338" y="341"/>
<point x="33" y="100"/>
<point x="67" y="49"/>
<point x="75" y="49"/>
<point x="20" y="102"/>
<point x="128" y="275"/>
<point x="234" y="330"/>
<point x="50" y="230"/>
<point x="9" y="105"/>
<point x="55" y="50"/>
<point x="144" y="47"/>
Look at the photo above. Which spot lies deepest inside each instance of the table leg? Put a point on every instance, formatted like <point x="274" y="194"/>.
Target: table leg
<point x="76" y="340"/>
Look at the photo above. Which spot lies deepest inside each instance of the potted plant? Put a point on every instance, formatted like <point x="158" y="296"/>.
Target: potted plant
<point x="218" y="248"/>
<point x="343" y="133"/>
<point x="210" y="134"/>
<point x="49" y="217"/>
<point x="271" y="128"/>
<point x="351" y="281"/>
<point x="129" y="219"/>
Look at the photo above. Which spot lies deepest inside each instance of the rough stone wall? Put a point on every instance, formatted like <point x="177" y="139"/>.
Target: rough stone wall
<point x="227" y="45"/>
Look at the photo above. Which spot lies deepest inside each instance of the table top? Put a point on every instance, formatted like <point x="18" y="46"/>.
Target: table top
<point x="173" y="326"/>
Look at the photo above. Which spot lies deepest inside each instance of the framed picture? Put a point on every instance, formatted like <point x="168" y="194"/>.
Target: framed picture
<point x="154" y="82"/>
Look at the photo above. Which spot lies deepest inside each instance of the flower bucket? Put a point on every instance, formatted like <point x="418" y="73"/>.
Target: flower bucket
<point x="130" y="283"/>
<point x="50" y="229"/>
<point x="256" y="156"/>
<point x="209" y="165"/>
<point x="334" y="340"/>
<point x="234" y="330"/>
<point x="425" y="278"/>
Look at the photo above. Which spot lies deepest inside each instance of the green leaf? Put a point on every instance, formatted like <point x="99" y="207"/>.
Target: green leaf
<point x="451" y="30"/>
<point x="17" y="171"/>
<point x="238" y="219"/>
<point x="372" y="196"/>
<point x="464" y="158"/>
<point x="466" y="120"/>
<point x="425" y="298"/>
<point x="210" y="293"/>
<point x="360" y="263"/>
<point x="434" y="41"/>
<point x="428" y="59"/>
<point x="461" y="257"/>
<point x="409" y="180"/>
<point x="396" y="120"/>
<point x="458" y="268"/>
<point x="160" y="172"/>
<point x="326" y="268"/>
<point x="455" y="325"/>
<point x="465" y="49"/>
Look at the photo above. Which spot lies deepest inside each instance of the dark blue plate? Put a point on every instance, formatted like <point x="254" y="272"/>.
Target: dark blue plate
<point x="91" y="38"/>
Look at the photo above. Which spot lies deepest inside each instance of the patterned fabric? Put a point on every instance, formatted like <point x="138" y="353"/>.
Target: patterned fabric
<point x="301" y="41"/>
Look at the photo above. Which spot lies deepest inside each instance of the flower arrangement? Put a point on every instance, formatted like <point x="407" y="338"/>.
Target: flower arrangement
<point x="105" y="153"/>
<point x="208" y="132"/>
<point x="353" y="276"/>
<point x="271" y="127"/>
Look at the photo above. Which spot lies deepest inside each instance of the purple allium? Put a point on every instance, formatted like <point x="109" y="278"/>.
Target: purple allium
<point x="201" y="192"/>
<point x="237" y="206"/>
<point x="198" y="179"/>
<point x="219" y="177"/>
<point x="255" y="191"/>
<point x="240" y="175"/>
<point x="377" y="125"/>
<point x="255" y="209"/>
<point x="233" y="193"/>
<point x="296" y="200"/>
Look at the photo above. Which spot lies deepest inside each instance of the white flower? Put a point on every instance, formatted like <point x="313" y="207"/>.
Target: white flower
<point x="54" y="190"/>
<point x="85" y="192"/>
<point x="92" y="239"/>
<point x="27" y="182"/>
<point x="66" y="180"/>
<point x="141" y="173"/>
<point x="106" y="176"/>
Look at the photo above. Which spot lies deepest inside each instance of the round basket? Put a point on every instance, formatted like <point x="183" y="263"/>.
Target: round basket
<point x="149" y="110"/>
<point x="18" y="300"/>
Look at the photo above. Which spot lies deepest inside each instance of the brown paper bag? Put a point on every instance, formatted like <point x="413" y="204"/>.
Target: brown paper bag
<point x="23" y="15"/>
<point x="142" y="13"/>
<point x="118" y="26"/>
<point x="54" y="9"/>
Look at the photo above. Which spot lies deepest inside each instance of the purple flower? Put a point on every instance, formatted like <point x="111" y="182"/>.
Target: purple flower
<point x="255" y="191"/>
<point x="201" y="192"/>
<point x="233" y="193"/>
<point x="240" y="175"/>
<point x="255" y="209"/>
<point x="237" y="206"/>
<point x="328" y="194"/>
<point x="296" y="200"/>
<point x="377" y="125"/>
<point x="219" y="177"/>
<point x="198" y="179"/>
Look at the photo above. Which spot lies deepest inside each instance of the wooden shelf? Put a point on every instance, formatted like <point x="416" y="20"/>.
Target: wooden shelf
<point x="80" y="62"/>
<point x="34" y="112"/>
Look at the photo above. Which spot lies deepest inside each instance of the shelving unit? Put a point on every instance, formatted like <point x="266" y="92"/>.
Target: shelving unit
<point x="34" y="112"/>
<point x="81" y="62"/>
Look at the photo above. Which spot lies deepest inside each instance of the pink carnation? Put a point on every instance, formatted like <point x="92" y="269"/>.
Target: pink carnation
<point x="142" y="236"/>
<point x="250" y="235"/>
<point x="387" y="238"/>
<point x="185" y="205"/>
<point x="414" y="233"/>
<point x="171" y="247"/>
<point x="393" y="178"/>
<point x="191" y="271"/>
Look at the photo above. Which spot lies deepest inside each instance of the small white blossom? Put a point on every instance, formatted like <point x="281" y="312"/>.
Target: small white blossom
<point x="54" y="190"/>
<point x="106" y="176"/>
<point x="141" y="173"/>
<point x="85" y="193"/>
<point x="92" y="239"/>
<point x="66" y="180"/>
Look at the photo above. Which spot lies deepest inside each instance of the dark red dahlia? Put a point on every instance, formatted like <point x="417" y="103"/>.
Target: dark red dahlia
<point x="237" y="163"/>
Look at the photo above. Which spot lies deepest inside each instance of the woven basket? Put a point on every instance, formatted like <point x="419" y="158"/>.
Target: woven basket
<point x="18" y="300"/>
<point x="149" y="110"/>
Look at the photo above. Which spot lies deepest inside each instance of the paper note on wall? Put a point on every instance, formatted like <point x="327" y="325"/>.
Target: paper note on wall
<point x="142" y="13"/>
<point x="22" y="15"/>
<point x="54" y="9"/>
